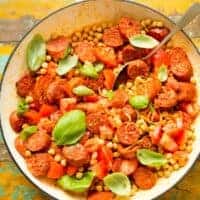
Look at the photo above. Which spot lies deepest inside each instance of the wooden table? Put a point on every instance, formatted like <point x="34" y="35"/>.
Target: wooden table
<point x="17" y="17"/>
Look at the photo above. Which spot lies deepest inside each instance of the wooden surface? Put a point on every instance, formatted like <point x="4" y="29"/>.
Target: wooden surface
<point x="16" y="17"/>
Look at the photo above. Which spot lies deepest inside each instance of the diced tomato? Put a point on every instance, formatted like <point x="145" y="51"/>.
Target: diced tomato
<point x="129" y="166"/>
<point x="71" y="170"/>
<point x="119" y="99"/>
<point x="188" y="108"/>
<point x="85" y="138"/>
<point x="93" y="144"/>
<point x="56" y="170"/>
<point x="20" y="146"/>
<point x="109" y="78"/>
<point x="67" y="104"/>
<point x="101" y="196"/>
<point x="168" y="143"/>
<point x="91" y="98"/>
<point x="160" y="58"/>
<point x="156" y="135"/>
<point x="100" y="169"/>
<point x="32" y="116"/>
<point x="46" y="110"/>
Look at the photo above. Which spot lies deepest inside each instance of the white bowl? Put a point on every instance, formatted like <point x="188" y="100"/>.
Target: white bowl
<point x="67" y="20"/>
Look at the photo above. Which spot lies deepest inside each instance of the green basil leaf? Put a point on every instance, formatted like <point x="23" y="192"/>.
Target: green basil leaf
<point x="139" y="102"/>
<point x="151" y="158"/>
<point x="70" y="128"/>
<point x="66" y="64"/>
<point x="27" y="131"/>
<point x="118" y="183"/>
<point x="162" y="73"/>
<point x="99" y="67"/>
<point x="76" y="185"/>
<point x="36" y="52"/>
<point x="88" y="70"/>
<point x="82" y="90"/>
<point x="143" y="41"/>
<point x="22" y="107"/>
<point x="108" y="94"/>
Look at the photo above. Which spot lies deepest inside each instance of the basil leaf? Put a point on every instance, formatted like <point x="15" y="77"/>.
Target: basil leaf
<point x="143" y="41"/>
<point x="99" y="67"/>
<point x="27" y="131"/>
<point x="118" y="183"/>
<point x="66" y="64"/>
<point x="88" y="70"/>
<point x="76" y="185"/>
<point x="162" y="73"/>
<point x="70" y="128"/>
<point x="108" y="94"/>
<point x="139" y="102"/>
<point x="151" y="158"/>
<point x="36" y="52"/>
<point x="22" y="107"/>
<point x="82" y="90"/>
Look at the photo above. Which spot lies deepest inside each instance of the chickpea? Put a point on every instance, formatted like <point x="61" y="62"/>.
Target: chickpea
<point x="86" y="29"/>
<point x="91" y="33"/>
<point x="78" y="34"/>
<point x="99" y="29"/>
<point x="74" y="38"/>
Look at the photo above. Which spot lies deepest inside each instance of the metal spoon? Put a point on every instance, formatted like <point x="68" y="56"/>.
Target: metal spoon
<point x="190" y="14"/>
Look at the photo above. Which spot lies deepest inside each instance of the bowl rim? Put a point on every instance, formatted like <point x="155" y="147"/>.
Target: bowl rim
<point x="40" y="22"/>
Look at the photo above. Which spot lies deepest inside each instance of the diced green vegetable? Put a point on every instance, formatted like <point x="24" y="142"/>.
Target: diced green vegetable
<point x="162" y="73"/>
<point x="27" y="132"/>
<point x="76" y="185"/>
<point x="108" y="94"/>
<point x="22" y="107"/>
<point x="139" y="102"/>
<point x="151" y="158"/>
<point x="88" y="70"/>
<point x="118" y="183"/>
<point x="67" y="51"/>
<point x="99" y="67"/>
<point x="70" y="128"/>
<point x="143" y="41"/>
<point x="82" y="90"/>
<point x="66" y="64"/>
<point x="36" y="52"/>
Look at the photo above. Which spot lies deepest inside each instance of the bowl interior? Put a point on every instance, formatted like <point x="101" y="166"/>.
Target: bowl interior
<point x="66" y="21"/>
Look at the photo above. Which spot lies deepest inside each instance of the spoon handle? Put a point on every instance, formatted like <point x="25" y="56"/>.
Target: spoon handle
<point x="190" y="14"/>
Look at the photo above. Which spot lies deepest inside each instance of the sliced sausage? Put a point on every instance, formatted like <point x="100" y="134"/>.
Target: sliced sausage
<point x="180" y="65"/>
<point x="137" y="68"/>
<point x="158" y="33"/>
<point x="95" y="121"/>
<point x="119" y="99"/>
<point x="128" y="133"/>
<point x="39" y="164"/>
<point x="20" y="146"/>
<point x="145" y="142"/>
<point x="46" y="125"/>
<point x="129" y="53"/>
<point x="128" y="152"/>
<point x="127" y="113"/>
<point x="16" y="121"/>
<point x="144" y="178"/>
<point x="25" y="85"/>
<point x="153" y="87"/>
<point x="76" y="154"/>
<point x="56" y="91"/>
<point x="38" y="141"/>
<point x="85" y="51"/>
<point x="112" y="37"/>
<point x="129" y="27"/>
<point x="166" y="99"/>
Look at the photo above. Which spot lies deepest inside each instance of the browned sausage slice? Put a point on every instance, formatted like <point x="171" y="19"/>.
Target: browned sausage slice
<point x="145" y="142"/>
<point x="119" y="99"/>
<point x="128" y="152"/>
<point x="144" y="178"/>
<point x="129" y="53"/>
<point x="137" y="68"/>
<point x="180" y="65"/>
<point x="127" y="113"/>
<point x="128" y="133"/>
<point x="95" y="121"/>
<point x="76" y="154"/>
<point x="39" y="164"/>
<point x="38" y="141"/>
<point x="25" y="85"/>
<point x="158" y="33"/>
<point x="112" y="37"/>
<point x="16" y="121"/>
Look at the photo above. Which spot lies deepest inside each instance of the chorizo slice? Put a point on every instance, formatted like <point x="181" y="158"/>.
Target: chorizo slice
<point x="129" y="53"/>
<point x="24" y="85"/>
<point x="127" y="113"/>
<point x="144" y="178"/>
<point x="158" y="33"/>
<point x="166" y="99"/>
<point x="85" y="51"/>
<point x="112" y="37"/>
<point x="38" y="141"/>
<point x="76" y="154"/>
<point x="137" y="68"/>
<point x="145" y="142"/>
<point x="128" y="133"/>
<point x="95" y="121"/>
<point x="129" y="27"/>
<point x="16" y="121"/>
<point x="39" y="164"/>
<point x="120" y="98"/>
<point x="128" y="152"/>
<point x="180" y="64"/>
